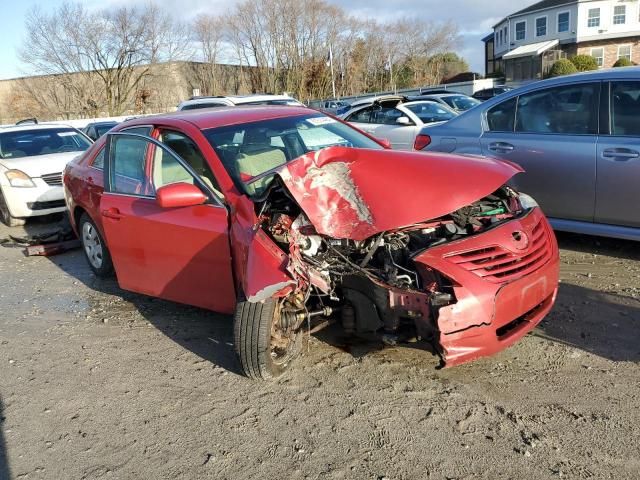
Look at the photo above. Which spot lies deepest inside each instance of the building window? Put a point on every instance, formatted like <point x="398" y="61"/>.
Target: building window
<point x="501" y="37"/>
<point x="624" y="51"/>
<point x="563" y="22"/>
<point x="506" y="35"/>
<point x="619" y="14"/>
<point x="598" y="54"/>
<point x="541" y="26"/>
<point x="521" y="30"/>
<point x="594" y="17"/>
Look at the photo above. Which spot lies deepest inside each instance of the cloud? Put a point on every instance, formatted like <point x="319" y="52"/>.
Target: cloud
<point x="474" y="18"/>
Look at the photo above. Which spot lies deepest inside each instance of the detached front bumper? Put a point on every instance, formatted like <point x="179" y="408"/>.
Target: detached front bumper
<point x="43" y="199"/>
<point x="505" y="281"/>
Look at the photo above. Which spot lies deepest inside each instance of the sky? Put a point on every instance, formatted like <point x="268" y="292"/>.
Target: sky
<point x="473" y="17"/>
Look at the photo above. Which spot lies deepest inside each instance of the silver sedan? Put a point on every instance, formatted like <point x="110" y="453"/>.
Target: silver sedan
<point x="578" y="140"/>
<point x="393" y="119"/>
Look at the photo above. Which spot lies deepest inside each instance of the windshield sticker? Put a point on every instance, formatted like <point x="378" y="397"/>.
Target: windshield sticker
<point x="66" y="134"/>
<point x="317" y="121"/>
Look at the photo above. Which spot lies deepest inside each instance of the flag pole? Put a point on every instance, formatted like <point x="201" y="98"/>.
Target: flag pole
<point x="333" y="80"/>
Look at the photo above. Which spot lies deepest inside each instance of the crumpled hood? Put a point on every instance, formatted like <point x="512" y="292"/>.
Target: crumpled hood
<point x="355" y="193"/>
<point x="40" y="164"/>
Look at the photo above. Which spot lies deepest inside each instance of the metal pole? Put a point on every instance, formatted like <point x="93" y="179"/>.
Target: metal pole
<point x="333" y="80"/>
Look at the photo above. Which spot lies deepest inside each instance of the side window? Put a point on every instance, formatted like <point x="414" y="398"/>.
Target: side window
<point x="98" y="160"/>
<point x="128" y="156"/>
<point x="167" y="170"/>
<point x="361" y="116"/>
<point x="625" y="108"/>
<point x="501" y="117"/>
<point x="570" y="109"/>
<point x="386" y="116"/>
<point x="188" y="151"/>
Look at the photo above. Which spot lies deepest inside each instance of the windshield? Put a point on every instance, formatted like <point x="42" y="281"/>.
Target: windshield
<point x="43" y="141"/>
<point x="250" y="150"/>
<point x="460" y="102"/>
<point x="102" y="129"/>
<point x="429" y="112"/>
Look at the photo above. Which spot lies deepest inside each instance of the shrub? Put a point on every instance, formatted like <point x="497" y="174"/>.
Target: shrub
<point x="562" y="67"/>
<point x="584" y="63"/>
<point x="623" y="62"/>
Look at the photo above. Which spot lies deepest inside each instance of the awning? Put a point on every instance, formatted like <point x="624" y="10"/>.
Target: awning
<point x="533" y="49"/>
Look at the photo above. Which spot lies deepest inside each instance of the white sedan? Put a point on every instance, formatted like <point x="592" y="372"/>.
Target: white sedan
<point x="396" y="120"/>
<point x="32" y="158"/>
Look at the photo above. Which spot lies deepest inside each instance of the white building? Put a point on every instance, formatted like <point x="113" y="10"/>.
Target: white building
<point x="526" y="43"/>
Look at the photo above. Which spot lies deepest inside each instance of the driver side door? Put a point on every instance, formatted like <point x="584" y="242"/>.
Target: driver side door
<point x="179" y="254"/>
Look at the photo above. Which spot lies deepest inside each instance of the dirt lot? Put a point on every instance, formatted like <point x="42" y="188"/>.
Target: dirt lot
<point x="100" y="383"/>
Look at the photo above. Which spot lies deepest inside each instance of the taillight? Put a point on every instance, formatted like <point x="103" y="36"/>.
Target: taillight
<point x="422" y="140"/>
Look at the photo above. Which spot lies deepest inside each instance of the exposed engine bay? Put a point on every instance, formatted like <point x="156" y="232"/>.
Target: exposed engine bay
<point x="374" y="283"/>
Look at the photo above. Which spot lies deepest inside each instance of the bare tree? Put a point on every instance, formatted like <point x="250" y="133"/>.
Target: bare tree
<point x="116" y="47"/>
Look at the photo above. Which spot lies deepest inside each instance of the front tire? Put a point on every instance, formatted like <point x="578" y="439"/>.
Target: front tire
<point x="7" y="219"/>
<point x="95" y="250"/>
<point x="264" y="349"/>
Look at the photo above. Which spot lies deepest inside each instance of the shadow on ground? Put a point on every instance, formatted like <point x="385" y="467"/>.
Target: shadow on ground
<point x="623" y="249"/>
<point x="4" y="461"/>
<point x="605" y="324"/>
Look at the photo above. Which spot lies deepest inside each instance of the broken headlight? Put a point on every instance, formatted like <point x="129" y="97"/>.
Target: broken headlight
<point x="527" y="202"/>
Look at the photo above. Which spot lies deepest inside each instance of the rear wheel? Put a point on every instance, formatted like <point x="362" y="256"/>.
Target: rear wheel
<point x="7" y="219"/>
<point x="95" y="250"/>
<point x="264" y="347"/>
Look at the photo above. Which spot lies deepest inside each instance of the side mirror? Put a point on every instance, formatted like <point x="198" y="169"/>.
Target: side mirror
<point x="404" y="121"/>
<point x="385" y="142"/>
<point x="178" y="195"/>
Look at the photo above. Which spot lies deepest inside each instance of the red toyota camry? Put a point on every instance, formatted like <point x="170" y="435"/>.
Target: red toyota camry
<point x="291" y="218"/>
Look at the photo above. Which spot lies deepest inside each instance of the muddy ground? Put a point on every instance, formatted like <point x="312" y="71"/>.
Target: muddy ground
<point x="99" y="383"/>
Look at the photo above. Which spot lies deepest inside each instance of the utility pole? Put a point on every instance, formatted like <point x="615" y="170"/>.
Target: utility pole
<point x="333" y="80"/>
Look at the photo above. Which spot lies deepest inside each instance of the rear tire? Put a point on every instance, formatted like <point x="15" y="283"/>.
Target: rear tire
<point x="264" y="350"/>
<point x="95" y="250"/>
<point x="7" y="219"/>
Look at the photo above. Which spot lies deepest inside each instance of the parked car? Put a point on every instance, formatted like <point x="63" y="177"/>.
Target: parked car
<point x="32" y="157"/>
<point x="456" y="101"/>
<point x="578" y="139"/>
<point x="394" y="119"/>
<point x="335" y="107"/>
<point x="488" y="93"/>
<point x="286" y="215"/>
<point x="232" y="101"/>
<point x="95" y="130"/>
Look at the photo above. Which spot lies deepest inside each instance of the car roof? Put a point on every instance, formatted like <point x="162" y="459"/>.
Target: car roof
<point x="32" y="126"/>
<point x="379" y="98"/>
<point x="237" y="99"/>
<point x="222" y="116"/>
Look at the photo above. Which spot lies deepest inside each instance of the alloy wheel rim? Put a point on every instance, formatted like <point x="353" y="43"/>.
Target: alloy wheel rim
<point x="92" y="245"/>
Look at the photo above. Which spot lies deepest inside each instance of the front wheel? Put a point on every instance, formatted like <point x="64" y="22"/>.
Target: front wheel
<point x="264" y="347"/>
<point x="7" y="219"/>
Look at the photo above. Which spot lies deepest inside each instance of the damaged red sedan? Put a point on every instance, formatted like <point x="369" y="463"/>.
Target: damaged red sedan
<point x="290" y="218"/>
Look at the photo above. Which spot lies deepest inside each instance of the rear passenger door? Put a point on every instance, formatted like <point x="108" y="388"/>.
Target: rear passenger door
<point x="552" y="134"/>
<point x="618" y="159"/>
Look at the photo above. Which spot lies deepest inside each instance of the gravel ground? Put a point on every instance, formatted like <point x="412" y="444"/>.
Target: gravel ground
<point x="100" y="383"/>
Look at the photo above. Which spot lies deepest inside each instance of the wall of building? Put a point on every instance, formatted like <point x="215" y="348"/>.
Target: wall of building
<point x="607" y="27"/>
<point x="530" y="28"/>
<point x="611" y="49"/>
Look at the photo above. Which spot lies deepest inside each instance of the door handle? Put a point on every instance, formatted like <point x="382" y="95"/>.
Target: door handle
<point x="501" y="147"/>
<point x="620" y="154"/>
<point x="113" y="213"/>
